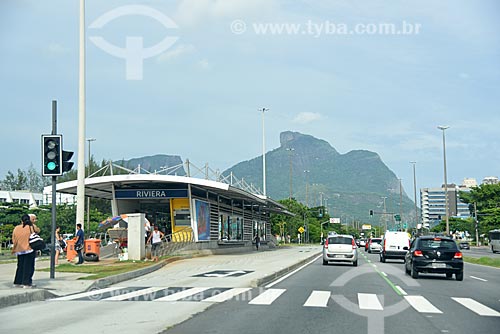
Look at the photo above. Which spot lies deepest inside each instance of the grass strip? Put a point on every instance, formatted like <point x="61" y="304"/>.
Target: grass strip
<point x="97" y="271"/>
<point x="485" y="261"/>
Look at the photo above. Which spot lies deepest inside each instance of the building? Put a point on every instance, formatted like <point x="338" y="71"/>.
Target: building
<point x="469" y="183"/>
<point x="433" y="203"/>
<point x="21" y="197"/>
<point x="221" y="213"/>
<point x="490" y="180"/>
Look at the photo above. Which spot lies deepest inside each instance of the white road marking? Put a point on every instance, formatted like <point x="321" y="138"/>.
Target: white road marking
<point x="223" y="296"/>
<point x="421" y="304"/>
<point x="369" y="301"/>
<point x="134" y="294"/>
<point x="293" y="272"/>
<point x="181" y="294"/>
<point x="267" y="297"/>
<point x="479" y="279"/>
<point x="383" y="273"/>
<point x="403" y="292"/>
<point x="318" y="299"/>
<point x="477" y="307"/>
<point x="93" y="293"/>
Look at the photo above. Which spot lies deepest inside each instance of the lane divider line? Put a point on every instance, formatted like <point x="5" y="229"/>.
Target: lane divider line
<point x="479" y="279"/>
<point x="292" y="272"/>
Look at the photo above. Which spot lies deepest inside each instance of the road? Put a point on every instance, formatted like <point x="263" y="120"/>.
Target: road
<point x="480" y="252"/>
<point x="345" y="299"/>
<point x="371" y="298"/>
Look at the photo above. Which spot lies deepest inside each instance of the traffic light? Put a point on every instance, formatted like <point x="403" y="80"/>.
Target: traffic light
<point x="51" y="155"/>
<point x="66" y="164"/>
<point x="371" y="212"/>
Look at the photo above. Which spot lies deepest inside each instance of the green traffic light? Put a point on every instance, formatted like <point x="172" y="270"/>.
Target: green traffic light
<point x="51" y="165"/>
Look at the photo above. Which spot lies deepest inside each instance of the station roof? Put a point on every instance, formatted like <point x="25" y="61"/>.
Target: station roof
<point x="102" y="187"/>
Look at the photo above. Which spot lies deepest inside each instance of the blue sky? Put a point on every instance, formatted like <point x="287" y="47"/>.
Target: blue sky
<point x="199" y="97"/>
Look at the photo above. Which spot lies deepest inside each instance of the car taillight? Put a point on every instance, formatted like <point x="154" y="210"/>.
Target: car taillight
<point x="326" y="243"/>
<point x="384" y="243"/>
<point x="418" y="253"/>
<point x="353" y="244"/>
<point x="458" y="255"/>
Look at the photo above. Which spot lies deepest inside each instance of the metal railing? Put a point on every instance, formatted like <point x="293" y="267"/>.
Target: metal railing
<point x="174" y="242"/>
<point x="187" y="169"/>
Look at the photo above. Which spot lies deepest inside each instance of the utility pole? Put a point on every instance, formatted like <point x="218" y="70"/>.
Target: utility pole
<point x="443" y="128"/>
<point x="263" y="151"/>
<point x="290" y="153"/>
<point x="476" y="221"/>
<point x="415" y="192"/>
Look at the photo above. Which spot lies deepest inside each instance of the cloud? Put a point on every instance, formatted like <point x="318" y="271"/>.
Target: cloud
<point x="179" y="51"/>
<point x="57" y="49"/>
<point x="193" y="12"/>
<point x="204" y="65"/>
<point x="307" y="117"/>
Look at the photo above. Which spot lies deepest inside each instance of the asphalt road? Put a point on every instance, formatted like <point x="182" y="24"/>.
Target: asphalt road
<point x="480" y="252"/>
<point x="371" y="298"/>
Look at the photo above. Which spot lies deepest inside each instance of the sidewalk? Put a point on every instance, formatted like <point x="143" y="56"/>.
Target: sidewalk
<point x="266" y="265"/>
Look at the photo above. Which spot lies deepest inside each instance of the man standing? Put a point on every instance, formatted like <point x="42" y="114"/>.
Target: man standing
<point x="80" y="237"/>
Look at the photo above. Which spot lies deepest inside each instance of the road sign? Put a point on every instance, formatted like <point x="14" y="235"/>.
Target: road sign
<point x="366" y="227"/>
<point x="397" y="218"/>
<point x="301" y="229"/>
<point x="334" y="220"/>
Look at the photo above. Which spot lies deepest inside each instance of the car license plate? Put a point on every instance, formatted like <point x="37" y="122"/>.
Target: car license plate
<point x="339" y="256"/>
<point x="439" y="265"/>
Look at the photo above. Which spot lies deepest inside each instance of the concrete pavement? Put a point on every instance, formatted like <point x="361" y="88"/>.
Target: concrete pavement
<point x="265" y="265"/>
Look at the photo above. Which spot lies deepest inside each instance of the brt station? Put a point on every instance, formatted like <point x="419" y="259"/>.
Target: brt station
<point x="194" y="214"/>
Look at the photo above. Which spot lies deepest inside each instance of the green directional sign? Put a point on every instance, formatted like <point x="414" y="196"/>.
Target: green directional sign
<point x="397" y="218"/>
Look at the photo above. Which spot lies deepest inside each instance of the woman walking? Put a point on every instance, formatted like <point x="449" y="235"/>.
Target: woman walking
<point x="25" y="255"/>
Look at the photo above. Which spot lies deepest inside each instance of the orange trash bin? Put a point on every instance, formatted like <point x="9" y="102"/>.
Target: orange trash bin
<point x="70" y="249"/>
<point x="92" y="249"/>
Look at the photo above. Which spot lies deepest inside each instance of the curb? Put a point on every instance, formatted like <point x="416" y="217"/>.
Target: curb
<point x="269" y="278"/>
<point x="26" y="297"/>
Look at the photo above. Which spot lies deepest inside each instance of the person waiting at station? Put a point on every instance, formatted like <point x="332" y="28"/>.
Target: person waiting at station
<point x="155" y="239"/>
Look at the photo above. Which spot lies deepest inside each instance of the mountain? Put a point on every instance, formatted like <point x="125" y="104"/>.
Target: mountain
<point x="352" y="184"/>
<point x="154" y="163"/>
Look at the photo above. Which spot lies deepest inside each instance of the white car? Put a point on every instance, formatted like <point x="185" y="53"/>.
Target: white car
<point x="375" y="245"/>
<point x="340" y="248"/>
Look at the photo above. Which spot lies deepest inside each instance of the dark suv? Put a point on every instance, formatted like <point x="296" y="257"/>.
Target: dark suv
<point x="429" y="254"/>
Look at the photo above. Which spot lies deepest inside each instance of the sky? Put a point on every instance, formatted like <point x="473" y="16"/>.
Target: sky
<point x="188" y="78"/>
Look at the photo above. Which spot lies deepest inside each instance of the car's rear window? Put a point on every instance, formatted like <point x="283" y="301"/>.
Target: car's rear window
<point x="376" y="241"/>
<point x="437" y="243"/>
<point x="340" y="240"/>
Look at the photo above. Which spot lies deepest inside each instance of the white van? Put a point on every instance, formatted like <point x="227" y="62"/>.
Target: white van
<point x="394" y="245"/>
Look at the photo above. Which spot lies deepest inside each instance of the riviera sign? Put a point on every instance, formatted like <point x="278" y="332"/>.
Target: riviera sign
<point x="150" y="193"/>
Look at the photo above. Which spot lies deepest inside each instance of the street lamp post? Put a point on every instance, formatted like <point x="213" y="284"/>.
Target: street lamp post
<point x="384" y="214"/>
<point x="88" y="175"/>
<point x="290" y="153"/>
<point x="263" y="151"/>
<point x="307" y="186"/>
<point x="443" y="128"/>
<point x="415" y="192"/>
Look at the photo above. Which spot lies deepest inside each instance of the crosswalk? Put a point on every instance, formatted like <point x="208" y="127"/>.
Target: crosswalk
<point x="316" y="299"/>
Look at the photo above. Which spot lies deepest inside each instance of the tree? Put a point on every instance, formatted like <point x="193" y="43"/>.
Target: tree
<point x="486" y="197"/>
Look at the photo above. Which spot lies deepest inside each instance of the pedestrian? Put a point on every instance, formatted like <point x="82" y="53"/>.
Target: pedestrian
<point x="59" y="244"/>
<point x="155" y="238"/>
<point x="257" y="241"/>
<point x="80" y="237"/>
<point x="25" y="255"/>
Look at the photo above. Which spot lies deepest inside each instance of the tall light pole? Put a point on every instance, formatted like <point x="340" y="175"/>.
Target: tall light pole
<point x="290" y="153"/>
<point x="88" y="175"/>
<point x="307" y="186"/>
<point x="384" y="213"/>
<point x="443" y="128"/>
<point x="415" y="192"/>
<point x="80" y="189"/>
<point x="263" y="151"/>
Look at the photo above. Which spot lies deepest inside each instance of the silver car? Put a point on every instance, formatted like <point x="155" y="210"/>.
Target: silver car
<point x="340" y="248"/>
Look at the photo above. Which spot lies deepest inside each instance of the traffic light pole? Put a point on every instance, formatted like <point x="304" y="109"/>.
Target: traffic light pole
<point x="54" y="179"/>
